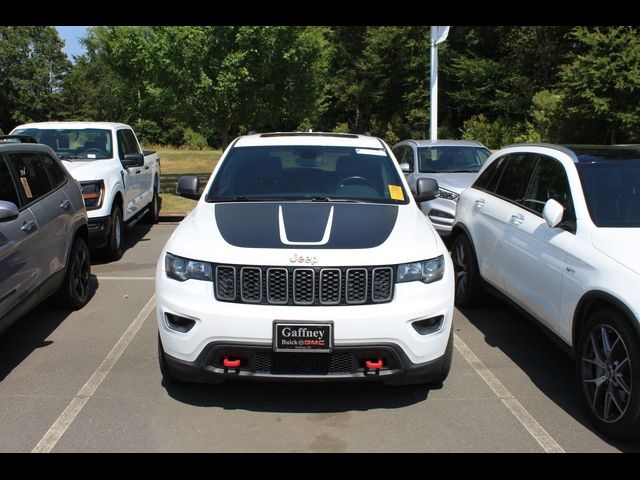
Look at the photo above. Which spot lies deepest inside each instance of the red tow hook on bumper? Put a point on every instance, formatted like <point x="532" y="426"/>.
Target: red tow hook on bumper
<point x="373" y="364"/>
<point x="230" y="362"/>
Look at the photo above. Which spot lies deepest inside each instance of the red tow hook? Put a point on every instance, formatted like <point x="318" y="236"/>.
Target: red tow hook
<point x="373" y="364"/>
<point x="230" y="363"/>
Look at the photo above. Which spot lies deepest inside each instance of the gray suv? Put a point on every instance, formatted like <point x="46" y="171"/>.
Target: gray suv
<point x="43" y="231"/>
<point x="453" y="163"/>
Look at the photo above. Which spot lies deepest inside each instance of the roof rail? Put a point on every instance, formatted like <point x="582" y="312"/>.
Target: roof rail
<point x="309" y="134"/>
<point x="18" y="138"/>
<point x="560" y="148"/>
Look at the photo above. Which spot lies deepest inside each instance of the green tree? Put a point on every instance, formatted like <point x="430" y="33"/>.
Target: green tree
<point x="32" y="66"/>
<point x="601" y="83"/>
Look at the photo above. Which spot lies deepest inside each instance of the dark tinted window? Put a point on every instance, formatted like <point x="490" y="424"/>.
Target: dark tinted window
<point x="306" y="173"/>
<point x="549" y="180"/>
<point x="404" y="154"/>
<point x="612" y="190"/>
<point x="32" y="176"/>
<point x="515" y="177"/>
<point x="56" y="173"/>
<point x="489" y="178"/>
<point x="126" y="143"/>
<point x="7" y="187"/>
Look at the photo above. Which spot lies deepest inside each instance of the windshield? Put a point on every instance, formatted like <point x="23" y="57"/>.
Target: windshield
<point x="452" y="159"/>
<point x="74" y="143"/>
<point x="612" y="190"/>
<point x="317" y="173"/>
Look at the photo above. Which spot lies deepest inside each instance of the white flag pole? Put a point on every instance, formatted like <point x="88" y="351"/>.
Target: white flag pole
<point x="434" y="85"/>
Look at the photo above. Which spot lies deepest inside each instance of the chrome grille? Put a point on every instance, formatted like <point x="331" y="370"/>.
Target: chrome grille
<point x="356" y="291"/>
<point x="304" y="286"/>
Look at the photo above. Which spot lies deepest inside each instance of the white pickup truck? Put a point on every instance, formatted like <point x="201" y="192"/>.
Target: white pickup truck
<point x="120" y="181"/>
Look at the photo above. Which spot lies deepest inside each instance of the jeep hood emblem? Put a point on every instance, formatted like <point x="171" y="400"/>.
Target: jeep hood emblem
<point x="312" y="259"/>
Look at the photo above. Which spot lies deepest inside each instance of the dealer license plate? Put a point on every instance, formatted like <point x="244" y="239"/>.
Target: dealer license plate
<point x="303" y="337"/>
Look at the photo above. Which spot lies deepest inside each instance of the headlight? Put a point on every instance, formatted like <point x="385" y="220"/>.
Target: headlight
<point x="184" y="269"/>
<point x="449" y="195"/>
<point x="92" y="194"/>
<point x="426" y="271"/>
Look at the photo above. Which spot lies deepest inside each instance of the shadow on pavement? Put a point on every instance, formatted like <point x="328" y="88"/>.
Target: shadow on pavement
<point x="550" y="369"/>
<point x="132" y="236"/>
<point x="297" y="397"/>
<point x="32" y="330"/>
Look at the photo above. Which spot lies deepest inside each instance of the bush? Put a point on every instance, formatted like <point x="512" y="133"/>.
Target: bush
<point x="148" y="132"/>
<point x="194" y="140"/>
<point x="498" y="133"/>
<point x="342" y="127"/>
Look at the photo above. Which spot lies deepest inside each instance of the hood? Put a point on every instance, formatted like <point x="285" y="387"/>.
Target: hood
<point x="334" y="234"/>
<point x="91" y="169"/>
<point x="620" y="244"/>
<point x="455" y="182"/>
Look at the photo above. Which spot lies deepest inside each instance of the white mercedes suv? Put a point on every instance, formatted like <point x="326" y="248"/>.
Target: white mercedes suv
<point x="306" y="258"/>
<point x="556" y="230"/>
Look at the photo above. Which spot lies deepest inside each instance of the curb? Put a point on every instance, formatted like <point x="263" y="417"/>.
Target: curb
<point x="171" y="217"/>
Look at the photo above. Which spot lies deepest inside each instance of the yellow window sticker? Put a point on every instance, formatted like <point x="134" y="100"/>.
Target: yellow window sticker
<point x="396" y="192"/>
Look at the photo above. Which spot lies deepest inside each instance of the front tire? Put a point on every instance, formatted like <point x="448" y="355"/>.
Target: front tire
<point x="75" y="290"/>
<point x="465" y="266"/>
<point x="115" y="244"/>
<point x="608" y="369"/>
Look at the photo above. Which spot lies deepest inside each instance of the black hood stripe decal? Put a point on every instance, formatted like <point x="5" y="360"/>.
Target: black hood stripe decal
<point x="305" y="225"/>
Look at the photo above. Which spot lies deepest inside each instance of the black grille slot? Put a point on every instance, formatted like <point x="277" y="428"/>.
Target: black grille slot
<point x="251" y="284"/>
<point x="277" y="285"/>
<point x="381" y="284"/>
<point x="304" y="286"/>
<point x="303" y="363"/>
<point x="356" y="291"/>
<point x="226" y="283"/>
<point x="330" y="286"/>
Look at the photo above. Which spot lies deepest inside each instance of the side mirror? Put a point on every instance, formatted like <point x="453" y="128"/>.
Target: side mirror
<point x="188" y="186"/>
<point x="405" y="167"/>
<point x="132" y="160"/>
<point x="8" y="211"/>
<point x="426" y="189"/>
<point x="553" y="213"/>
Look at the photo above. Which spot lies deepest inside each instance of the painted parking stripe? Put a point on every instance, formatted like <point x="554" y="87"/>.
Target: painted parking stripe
<point x="100" y="277"/>
<point x="66" y="418"/>
<point x="548" y="444"/>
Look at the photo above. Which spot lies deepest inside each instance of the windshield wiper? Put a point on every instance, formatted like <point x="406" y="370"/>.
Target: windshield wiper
<point x="331" y="199"/>
<point x="462" y="171"/>
<point x="245" y="199"/>
<point x="69" y="157"/>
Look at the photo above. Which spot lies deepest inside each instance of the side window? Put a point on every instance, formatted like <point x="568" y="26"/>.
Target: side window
<point x="126" y="143"/>
<point x="404" y="154"/>
<point x="548" y="181"/>
<point x="56" y="173"/>
<point x="32" y="176"/>
<point x="7" y="188"/>
<point x="488" y="180"/>
<point x="131" y="142"/>
<point x="515" y="177"/>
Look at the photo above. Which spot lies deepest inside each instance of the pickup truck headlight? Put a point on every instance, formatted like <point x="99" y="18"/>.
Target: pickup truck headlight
<point x="448" y="194"/>
<point x="92" y="194"/>
<point x="183" y="269"/>
<point x="427" y="271"/>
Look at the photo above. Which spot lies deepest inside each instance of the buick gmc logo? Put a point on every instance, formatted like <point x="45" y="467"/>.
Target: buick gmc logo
<point x="312" y="260"/>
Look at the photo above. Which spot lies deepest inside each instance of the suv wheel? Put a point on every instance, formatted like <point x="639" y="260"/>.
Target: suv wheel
<point x="75" y="289"/>
<point x="115" y="245"/>
<point x="153" y="215"/>
<point x="465" y="267"/>
<point x="608" y="365"/>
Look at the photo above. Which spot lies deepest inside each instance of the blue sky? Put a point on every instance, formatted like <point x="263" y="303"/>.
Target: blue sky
<point x="71" y="37"/>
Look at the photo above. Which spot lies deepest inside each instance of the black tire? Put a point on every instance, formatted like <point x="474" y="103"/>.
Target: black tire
<point x="465" y="265"/>
<point x="115" y="243"/>
<point x="167" y="374"/>
<point x="612" y="410"/>
<point x="153" y="215"/>
<point x="75" y="291"/>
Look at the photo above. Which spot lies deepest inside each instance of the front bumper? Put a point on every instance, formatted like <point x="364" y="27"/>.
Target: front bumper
<point x="99" y="228"/>
<point x="442" y="213"/>
<point x="357" y="328"/>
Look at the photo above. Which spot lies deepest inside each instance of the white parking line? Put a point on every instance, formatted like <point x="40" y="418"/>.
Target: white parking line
<point x="66" y="418"/>
<point x="536" y="430"/>
<point x="100" y="277"/>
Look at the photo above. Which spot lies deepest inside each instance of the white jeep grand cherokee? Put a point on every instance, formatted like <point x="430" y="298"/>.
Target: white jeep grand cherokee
<point x="306" y="258"/>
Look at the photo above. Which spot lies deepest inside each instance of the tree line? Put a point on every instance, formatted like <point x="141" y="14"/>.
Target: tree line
<point x="202" y="86"/>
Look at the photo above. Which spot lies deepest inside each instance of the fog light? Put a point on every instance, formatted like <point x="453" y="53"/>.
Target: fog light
<point x="179" y="324"/>
<point x="428" y="325"/>
<point x="440" y="214"/>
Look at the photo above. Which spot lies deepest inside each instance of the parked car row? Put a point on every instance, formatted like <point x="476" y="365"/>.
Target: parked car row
<point x="66" y="187"/>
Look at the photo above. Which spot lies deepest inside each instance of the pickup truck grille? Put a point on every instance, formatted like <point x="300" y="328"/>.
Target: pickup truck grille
<point x="303" y="286"/>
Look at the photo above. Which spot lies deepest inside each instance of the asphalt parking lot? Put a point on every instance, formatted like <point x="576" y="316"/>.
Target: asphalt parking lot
<point x="88" y="381"/>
